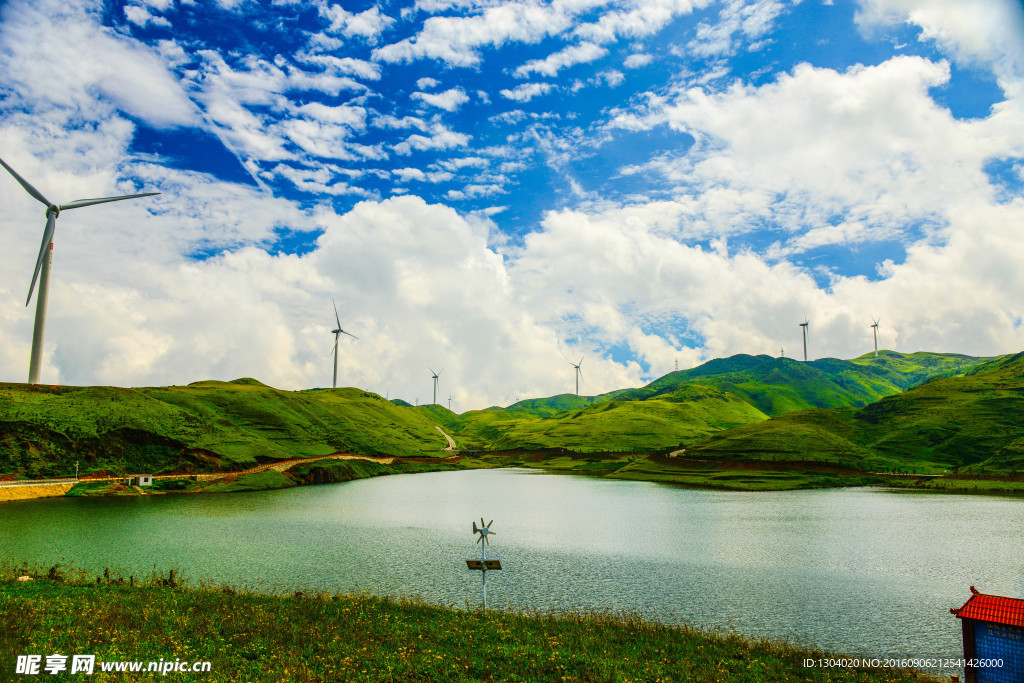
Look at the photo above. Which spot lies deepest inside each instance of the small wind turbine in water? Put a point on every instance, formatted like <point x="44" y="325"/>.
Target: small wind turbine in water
<point x="804" y="325"/>
<point x="43" y="262"/>
<point x="337" y="334"/>
<point x="484" y="564"/>
<point x="579" y="374"/>
<point x="874" y="328"/>
<point x="435" y="375"/>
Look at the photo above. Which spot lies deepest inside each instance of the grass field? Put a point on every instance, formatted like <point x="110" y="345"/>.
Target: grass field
<point x="251" y="637"/>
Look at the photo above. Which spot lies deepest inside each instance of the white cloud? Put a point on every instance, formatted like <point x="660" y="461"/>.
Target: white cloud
<point x="750" y="20"/>
<point x="526" y="91"/>
<point x="440" y="138"/>
<point x="553" y="63"/>
<point x="343" y="65"/>
<point x="612" y="77"/>
<point x="455" y="40"/>
<point x="449" y="100"/>
<point x="641" y="20"/>
<point x="426" y="82"/>
<point x="987" y="31"/>
<point x="86" y="60"/>
<point x="462" y="162"/>
<point x="369" y="24"/>
<point x="140" y="16"/>
<point x="868" y="144"/>
<point x="637" y="60"/>
<point x="392" y="122"/>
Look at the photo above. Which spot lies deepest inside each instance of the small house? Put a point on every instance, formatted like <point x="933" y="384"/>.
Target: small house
<point x="140" y="480"/>
<point x="993" y="628"/>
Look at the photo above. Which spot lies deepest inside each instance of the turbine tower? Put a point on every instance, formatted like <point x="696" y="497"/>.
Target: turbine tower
<point x="43" y="262"/>
<point x="435" y="375"/>
<point x="874" y="329"/>
<point x="578" y="374"/>
<point x="804" y="325"/>
<point x="337" y="332"/>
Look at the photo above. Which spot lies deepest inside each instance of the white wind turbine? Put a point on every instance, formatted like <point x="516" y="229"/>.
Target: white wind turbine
<point x="579" y="373"/>
<point x="804" y="325"/>
<point x="43" y="262"/>
<point x="435" y="375"/>
<point x="874" y="328"/>
<point x="337" y="332"/>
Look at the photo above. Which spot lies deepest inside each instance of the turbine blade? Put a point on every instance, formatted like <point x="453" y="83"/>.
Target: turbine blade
<point x="350" y="334"/>
<point x="336" y="312"/>
<point x="28" y="188"/>
<point x="78" y="203"/>
<point x="581" y="360"/>
<point x="482" y="522"/>
<point x="439" y="374"/>
<point x="480" y="539"/>
<point x="51" y="223"/>
<point x="490" y="523"/>
<point x="474" y="528"/>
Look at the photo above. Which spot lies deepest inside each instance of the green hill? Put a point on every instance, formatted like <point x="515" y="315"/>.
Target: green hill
<point x="214" y="425"/>
<point x="973" y="423"/>
<point x="685" y="406"/>
<point x="203" y="426"/>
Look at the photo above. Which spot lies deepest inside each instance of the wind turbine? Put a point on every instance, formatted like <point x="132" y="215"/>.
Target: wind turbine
<point x="435" y="375"/>
<point x="337" y="334"/>
<point x="804" y="325"/>
<point x="874" y="329"/>
<point x="578" y="374"/>
<point x="43" y="262"/>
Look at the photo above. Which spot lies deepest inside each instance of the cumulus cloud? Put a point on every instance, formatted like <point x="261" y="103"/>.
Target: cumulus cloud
<point x="449" y="100"/>
<point x="976" y="31"/>
<point x="553" y="63"/>
<point x="456" y="40"/>
<point x="368" y="25"/>
<point x="637" y="60"/>
<point x="526" y="91"/>
<point x="140" y="16"/>
<point x="868" y="144"/>
<point x="440" y="138"/>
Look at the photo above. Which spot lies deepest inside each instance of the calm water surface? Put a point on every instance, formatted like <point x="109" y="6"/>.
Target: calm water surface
<point x="864" y="571"/>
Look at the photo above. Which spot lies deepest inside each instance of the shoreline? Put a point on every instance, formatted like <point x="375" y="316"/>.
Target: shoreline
<point x="340" y="467"/>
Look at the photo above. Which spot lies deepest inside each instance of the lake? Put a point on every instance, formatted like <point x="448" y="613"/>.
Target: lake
<point x="863" y="571"/>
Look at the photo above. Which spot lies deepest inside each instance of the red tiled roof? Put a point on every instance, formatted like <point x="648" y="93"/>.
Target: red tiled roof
<point x="992" y="608"/>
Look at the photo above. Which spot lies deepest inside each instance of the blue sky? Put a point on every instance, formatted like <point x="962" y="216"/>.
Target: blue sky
<point x="500" y="187"/>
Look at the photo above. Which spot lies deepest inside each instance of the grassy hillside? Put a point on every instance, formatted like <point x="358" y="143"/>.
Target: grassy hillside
<point x="234" y="425"/>
<point x="203" y="426"/>
<point x="685" y="406"/>
<point x="972" y="423"/>
<point x="615" y="425"/>
<point x="252" y="637"/>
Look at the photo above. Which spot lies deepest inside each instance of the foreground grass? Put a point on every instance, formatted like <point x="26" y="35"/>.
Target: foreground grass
<point x="251" y="637"/>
